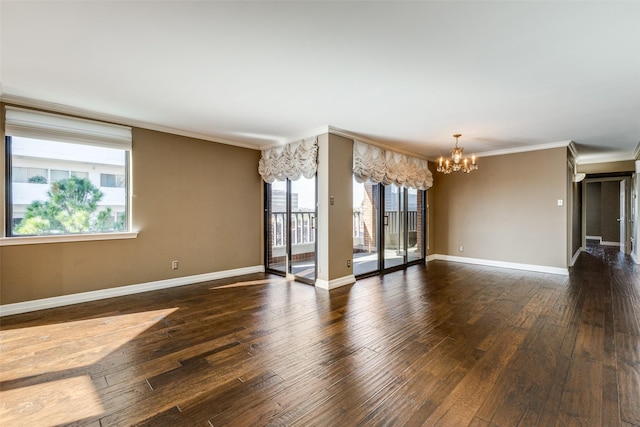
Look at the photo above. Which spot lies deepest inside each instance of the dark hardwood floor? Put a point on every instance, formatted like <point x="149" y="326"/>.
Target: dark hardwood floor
<point x="447" y="344"/>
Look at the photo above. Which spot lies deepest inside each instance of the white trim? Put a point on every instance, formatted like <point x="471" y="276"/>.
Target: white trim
<point x="312" y="133"/>
<point x="335" y="283"/>
<point x="38" y="240"/>
<point x="349" y="135"/>
<point x="430" y="258"/>
<point x="575" y="257"/>
<point x="636" y="152"/>
<point x="574" y="152"/>
<point x="327" y="129"/>
<point x="587" y="159"/>
<point x="598" y="238"/>
<point x="64" y="109"/>
<point x="491" y="263"/>
<point x="635" y="258"/>
<point x="603" y="243"/>
<point x="524" y="149"/>
<point x="41" y="304"/>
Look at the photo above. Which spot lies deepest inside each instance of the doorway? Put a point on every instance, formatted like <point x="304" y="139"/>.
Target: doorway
<point x="290" y="228"/>
<point x="606" y="211"/>
<point x="388" y="227"/>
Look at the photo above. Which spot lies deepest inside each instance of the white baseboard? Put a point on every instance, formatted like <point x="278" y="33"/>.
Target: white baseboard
<point x="603" y="243"/>
<point x="575" y="256"/>
<point x="598" y="238"/>
<point x="335" y="283"/>
<point x="431" y="257"/>
<point x="44" y="303"/>
<point x="503" y="264"/>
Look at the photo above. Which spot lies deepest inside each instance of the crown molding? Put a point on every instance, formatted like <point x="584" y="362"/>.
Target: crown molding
<point x="341" y="132"/>
<point x="524" y="149"/>
<point x="574" y="152"/>
<point x="109" y="118"/>
<point x="320" y="130"/>
<point x="88" y="114"/>
<point x="605" y="158"/>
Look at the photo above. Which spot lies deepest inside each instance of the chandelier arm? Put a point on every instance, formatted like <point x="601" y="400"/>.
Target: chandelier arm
<point x="458" y="161"/>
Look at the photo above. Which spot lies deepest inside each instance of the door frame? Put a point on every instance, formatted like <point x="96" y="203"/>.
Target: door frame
<point x="288" y="246"/>
<point x="627" y="207"/>
<point x="380" y="233"/>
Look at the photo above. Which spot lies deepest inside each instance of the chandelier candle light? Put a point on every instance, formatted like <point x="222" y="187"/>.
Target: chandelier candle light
<point x="457" y="162"/>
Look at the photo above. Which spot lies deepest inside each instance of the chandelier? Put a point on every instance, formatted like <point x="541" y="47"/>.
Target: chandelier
<point x="457" y="162"/>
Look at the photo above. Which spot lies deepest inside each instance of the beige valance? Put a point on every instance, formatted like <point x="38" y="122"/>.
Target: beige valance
<point x="389" y="167"/>
<point x="290" y="161"/>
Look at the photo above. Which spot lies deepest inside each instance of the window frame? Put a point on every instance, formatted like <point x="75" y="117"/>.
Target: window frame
<point x="6" y="156"/>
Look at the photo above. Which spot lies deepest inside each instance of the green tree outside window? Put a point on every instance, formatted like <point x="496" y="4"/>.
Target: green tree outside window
<point x="71" y="208"/>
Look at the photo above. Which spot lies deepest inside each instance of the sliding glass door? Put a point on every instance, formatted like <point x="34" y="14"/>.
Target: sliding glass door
<point x="366" y="224"/>
<point x="290" y="227"/>
<point x="303" y="229"/>
<point x="277" y="225"/>
<point x="388" y="227"/>
<point x="395" y="248"/>
<point x="415" y="225"/>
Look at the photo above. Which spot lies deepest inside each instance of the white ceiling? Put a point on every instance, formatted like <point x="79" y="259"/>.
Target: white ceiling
<point x="506" y="75"/>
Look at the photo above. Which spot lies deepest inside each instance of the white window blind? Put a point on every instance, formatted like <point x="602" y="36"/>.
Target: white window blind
<point x="55" y="127"/>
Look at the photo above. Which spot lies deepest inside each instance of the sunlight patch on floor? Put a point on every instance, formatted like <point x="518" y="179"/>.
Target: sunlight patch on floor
<point x="70" y="345"/>
<point x="249" y="283"/>
<point x="78" y="393"/>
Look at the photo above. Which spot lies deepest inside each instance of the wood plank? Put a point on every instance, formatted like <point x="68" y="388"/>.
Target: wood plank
<point x="442" y="344"/>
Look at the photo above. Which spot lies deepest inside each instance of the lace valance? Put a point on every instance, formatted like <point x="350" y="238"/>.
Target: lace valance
<point x="389" y="167"/>
<point x="290" y="161"/>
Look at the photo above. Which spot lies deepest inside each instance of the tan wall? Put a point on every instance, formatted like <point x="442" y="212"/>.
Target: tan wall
<point x="195" y="201"/>
<point x="574" y="192"/>
<point x="608" y="167"/>
<point x="341" y="213"/>
<point x="610" y="211"/>
<point x="506" y="210"/>
<point x="594" y="198"/>
<point x="431" y="223"/>
<point x="576" y="218"/>
<point x="335" y="243"/>
<point x="635" y="180"/>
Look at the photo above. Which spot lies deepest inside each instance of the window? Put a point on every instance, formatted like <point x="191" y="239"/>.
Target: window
<point x="112" y="180"/>
<point x="71" y="157"/>
<point x="31" y="175"/>
<point x="58" y="175"/>
<point x="80" y="174"/>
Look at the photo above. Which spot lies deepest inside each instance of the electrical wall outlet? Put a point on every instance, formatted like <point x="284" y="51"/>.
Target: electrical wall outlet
<point x="348" y="263"/>
<point x="461" y="248"/>
<point x="174" y="264"/>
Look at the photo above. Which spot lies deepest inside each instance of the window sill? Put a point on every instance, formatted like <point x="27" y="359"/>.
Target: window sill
<point x="38" y="240"/>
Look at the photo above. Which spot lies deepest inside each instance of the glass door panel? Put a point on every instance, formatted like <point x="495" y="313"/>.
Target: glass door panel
<point x="366" y="202"/>
<point x="277" y="222"/>
<point x="394" y="226"/>
<point x="415" y="243"/>
<point x="303" y="228"/>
